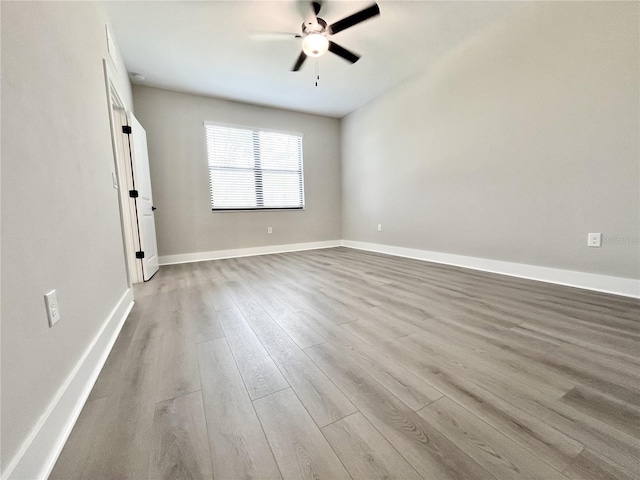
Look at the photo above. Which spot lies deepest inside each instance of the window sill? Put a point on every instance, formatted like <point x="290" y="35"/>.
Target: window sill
<point x="231" y="210"/>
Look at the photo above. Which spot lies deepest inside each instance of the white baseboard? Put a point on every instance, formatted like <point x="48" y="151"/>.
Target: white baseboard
<point x="627" y="287"/>
<point x="245" y="252"/>
<point x="39" y="452"/>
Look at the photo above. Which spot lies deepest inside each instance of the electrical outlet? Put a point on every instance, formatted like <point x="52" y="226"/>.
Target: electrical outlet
<point x="594" y="240"/>
<point x="379" y="227"/>
<point x="53" y="311"/>
<point x="269" y="230"/>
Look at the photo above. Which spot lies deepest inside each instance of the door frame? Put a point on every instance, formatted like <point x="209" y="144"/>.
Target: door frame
<point x="124" y="179"/>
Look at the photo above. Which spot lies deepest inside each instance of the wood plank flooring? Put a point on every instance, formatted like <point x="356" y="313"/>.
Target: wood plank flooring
<point x="338" y="363"/>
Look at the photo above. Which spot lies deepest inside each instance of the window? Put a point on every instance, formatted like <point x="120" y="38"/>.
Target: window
<point x="253" y="169"/>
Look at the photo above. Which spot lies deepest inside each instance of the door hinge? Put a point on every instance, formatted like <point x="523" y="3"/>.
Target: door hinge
<point x="126" y="129"/>
<point x="133" y="193"/>
<point x="140" y="254"/>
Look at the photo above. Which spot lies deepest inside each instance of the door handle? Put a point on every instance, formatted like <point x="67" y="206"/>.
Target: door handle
<point x="153" y="209"/>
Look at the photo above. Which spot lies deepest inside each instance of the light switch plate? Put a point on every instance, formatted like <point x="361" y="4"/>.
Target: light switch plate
<point x="594" y="240"/>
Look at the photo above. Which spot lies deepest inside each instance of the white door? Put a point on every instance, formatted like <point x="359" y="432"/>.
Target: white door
<point x="144" y="200"/>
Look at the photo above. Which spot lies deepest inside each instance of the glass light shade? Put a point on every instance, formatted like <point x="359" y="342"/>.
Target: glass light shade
<point x="315" y="45"/>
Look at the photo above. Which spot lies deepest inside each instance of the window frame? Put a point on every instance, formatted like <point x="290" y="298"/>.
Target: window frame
<point x="258" y="183"/>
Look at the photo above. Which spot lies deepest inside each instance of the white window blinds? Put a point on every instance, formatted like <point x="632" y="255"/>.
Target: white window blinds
<point x="252" y="169"/>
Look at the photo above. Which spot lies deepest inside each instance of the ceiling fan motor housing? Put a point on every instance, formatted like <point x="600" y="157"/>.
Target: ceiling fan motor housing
<point x="309" y="27"/>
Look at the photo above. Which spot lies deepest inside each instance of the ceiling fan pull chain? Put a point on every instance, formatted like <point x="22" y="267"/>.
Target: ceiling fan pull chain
<point x="317" y="71"/>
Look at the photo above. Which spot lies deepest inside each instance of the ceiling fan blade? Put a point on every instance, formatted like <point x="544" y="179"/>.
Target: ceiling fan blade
<point x="343" y="52"/>
<point x="299" y="62"/>
<point x="273" y="36"/>
<point x="311" y="22"/>
<point x="354" y="19"/>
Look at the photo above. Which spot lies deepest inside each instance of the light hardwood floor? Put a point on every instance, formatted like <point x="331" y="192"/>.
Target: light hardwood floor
<point x="337" y="364"/>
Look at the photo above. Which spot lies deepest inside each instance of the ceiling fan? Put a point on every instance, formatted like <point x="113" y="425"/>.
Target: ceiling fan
<point x="315" y="33"/>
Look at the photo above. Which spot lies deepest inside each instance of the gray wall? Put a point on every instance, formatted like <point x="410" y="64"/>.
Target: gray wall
<point x="60" y="216"/>
<point x="179" y="174"/>
<point x="513" y="147"/>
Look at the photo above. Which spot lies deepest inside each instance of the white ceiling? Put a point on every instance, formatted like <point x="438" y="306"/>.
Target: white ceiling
<point x="204" y="47"/>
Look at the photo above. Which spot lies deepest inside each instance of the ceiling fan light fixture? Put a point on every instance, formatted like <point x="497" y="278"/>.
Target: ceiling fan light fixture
<point x="315" y="45"/>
